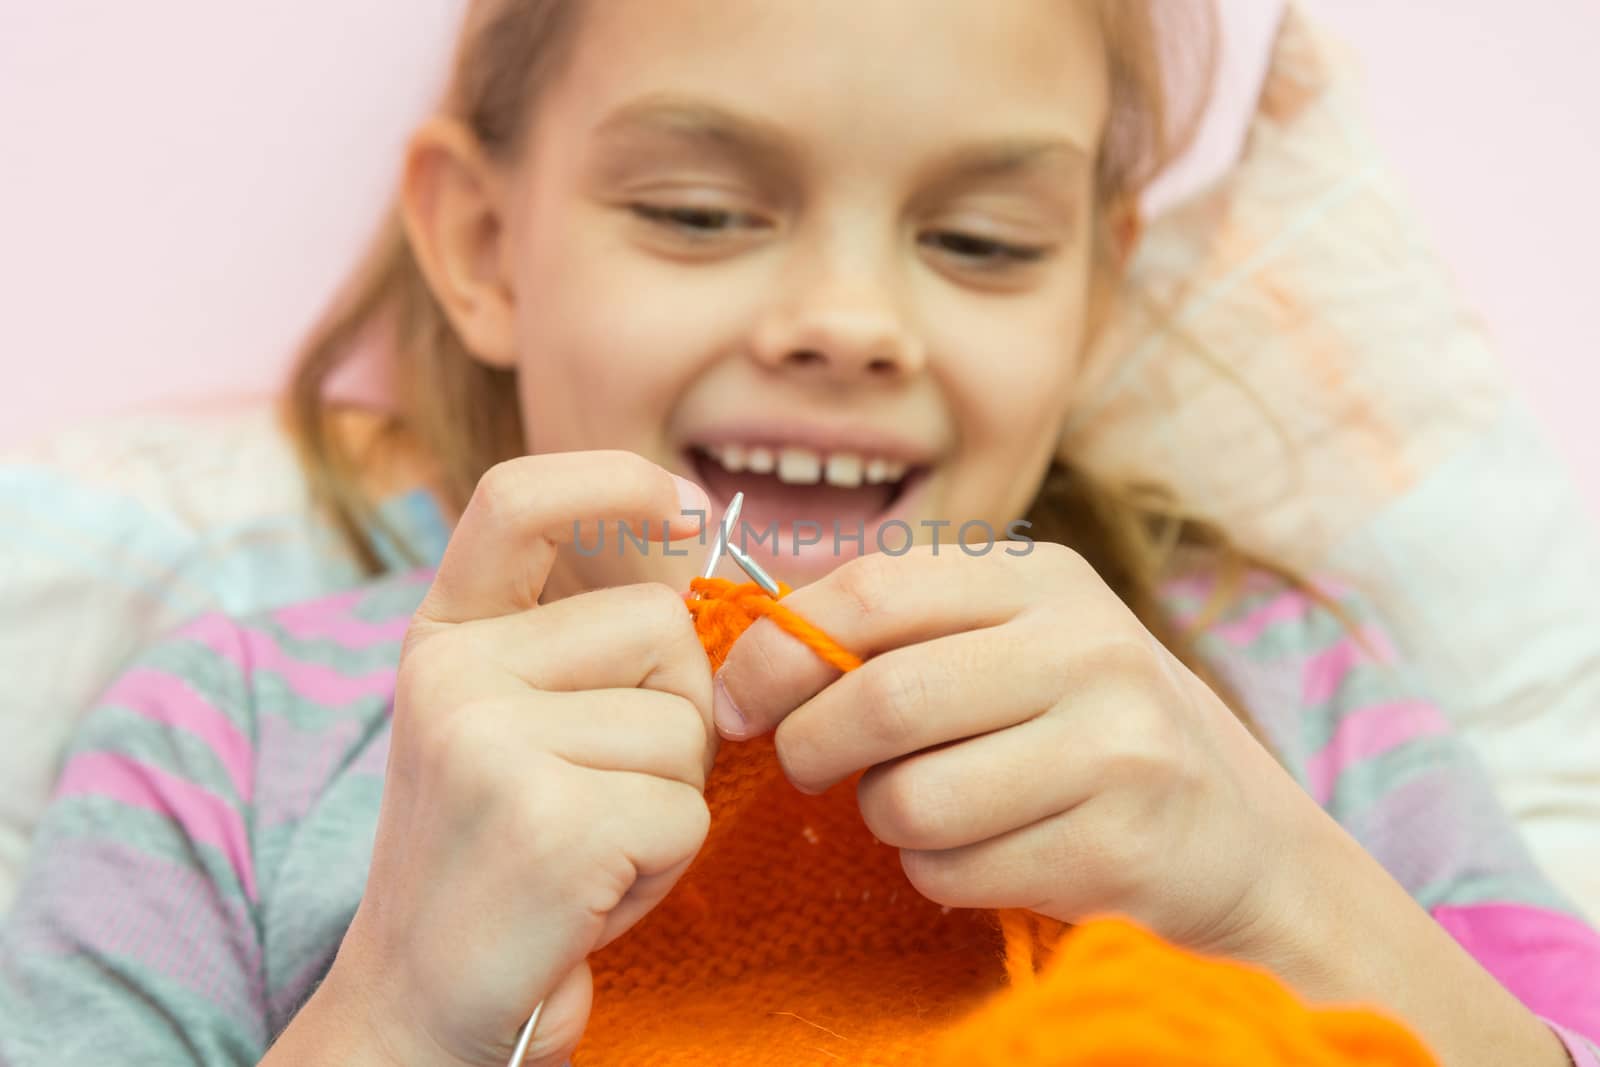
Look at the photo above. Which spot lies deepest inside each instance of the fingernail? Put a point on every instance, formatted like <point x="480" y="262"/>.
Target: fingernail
<point x="730" y="720"/>
<point x="691" y="497"/>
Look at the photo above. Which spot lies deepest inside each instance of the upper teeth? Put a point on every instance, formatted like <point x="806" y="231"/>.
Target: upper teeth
<point x="802" y="466"/>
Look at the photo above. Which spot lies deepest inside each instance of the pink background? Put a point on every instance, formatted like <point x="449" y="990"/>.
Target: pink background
<point x="184" y="182"/>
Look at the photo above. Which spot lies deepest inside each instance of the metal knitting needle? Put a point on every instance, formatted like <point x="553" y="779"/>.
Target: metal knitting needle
<point x="719" y="544"/>
<point x="724" y="543"/>
<point x="724" y="531"/>
<point x="525" y="1038"/>
<point x="753" y="569"/>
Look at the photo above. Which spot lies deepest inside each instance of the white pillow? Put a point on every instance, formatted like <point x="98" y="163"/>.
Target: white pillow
<point x="111" y="535"/>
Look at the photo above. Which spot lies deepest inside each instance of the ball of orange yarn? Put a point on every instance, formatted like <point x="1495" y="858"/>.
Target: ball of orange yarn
<point x="1115" y="995"/>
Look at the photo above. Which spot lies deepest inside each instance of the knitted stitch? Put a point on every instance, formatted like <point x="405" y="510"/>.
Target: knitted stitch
<point x="795" y="938"/>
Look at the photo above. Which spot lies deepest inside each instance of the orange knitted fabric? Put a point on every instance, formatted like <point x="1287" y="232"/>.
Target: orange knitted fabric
<point x="795" y="939"/>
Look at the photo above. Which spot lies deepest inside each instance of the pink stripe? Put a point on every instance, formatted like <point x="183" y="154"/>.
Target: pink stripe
<point x="1549" y="961"/>
<point x="168" y="699"/>
<point x="254" y="652"/>
<point x="1201" y="587"/>
<point x="329" y="617"/>
<point x="1369" y="732"/>
<point x="1290" y="607"/>
<point x="308" y="622"/>
<point x="204" y="816"/>
<point x="320" y="608"/>
<point x="1327" y="670"/>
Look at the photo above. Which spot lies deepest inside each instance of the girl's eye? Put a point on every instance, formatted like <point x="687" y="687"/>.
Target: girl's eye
<point x="695" y="221"/>
<point x="983" y="251"/>
<point x="699" y="223"/>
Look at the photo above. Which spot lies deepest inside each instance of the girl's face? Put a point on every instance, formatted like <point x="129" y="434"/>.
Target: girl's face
<point x="835" y="253"/>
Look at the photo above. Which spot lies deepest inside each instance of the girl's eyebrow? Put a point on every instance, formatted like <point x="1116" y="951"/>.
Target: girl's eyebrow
<point x="765" y="143"/>
<point x="699" y="121"/>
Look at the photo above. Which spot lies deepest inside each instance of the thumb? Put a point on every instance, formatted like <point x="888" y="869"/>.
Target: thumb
<point x="504" y="544"/>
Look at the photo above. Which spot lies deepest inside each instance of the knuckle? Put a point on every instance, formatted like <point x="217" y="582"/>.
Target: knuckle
<point x="458" y="752"/>
<point x="663" y="605"/>
<point x="1126" y="656"/>
<point x="935" y="875"/>
<point x="629" y="476"/>
<point x="864" y="582"/>
<point x="428" y="658"/>
<point x="608" y="875"/>
<point x="678" y="821"/>
<point x="499" y="491"/>
<point x="653" y="605"/>
<point x="642" y="477"/>
<point x="755" y="656"/>
<point x="693" y="815"/>
<point x="1142" y="749"/>
<point x="1061" y="560"/>
<point x="684" y="740"/>
<point x="547" y="812"/>
<point x="909" y="807"/>
<point x="890" y="695"/>
<point x="421" y="630"/>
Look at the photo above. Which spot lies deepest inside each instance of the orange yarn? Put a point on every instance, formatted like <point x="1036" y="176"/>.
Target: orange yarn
<point x="1118" y="996"/>
<point x="722" y="611"/>
<point x="795" y="939"/>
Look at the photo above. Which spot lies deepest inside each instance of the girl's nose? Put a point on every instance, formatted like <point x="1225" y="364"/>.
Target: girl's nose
<point x="837" y="337"/>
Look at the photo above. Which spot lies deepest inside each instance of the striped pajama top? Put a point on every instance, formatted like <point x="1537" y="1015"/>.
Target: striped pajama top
<point x="209" y="837"/>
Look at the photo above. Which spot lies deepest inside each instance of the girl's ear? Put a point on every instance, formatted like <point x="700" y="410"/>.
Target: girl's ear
<point x="452" y="203"/>
<point x="1126" y="225"/>
<point x="1119" y="229"/>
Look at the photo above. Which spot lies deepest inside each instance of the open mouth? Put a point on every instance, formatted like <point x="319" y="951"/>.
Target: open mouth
<point x="786" y="486"/>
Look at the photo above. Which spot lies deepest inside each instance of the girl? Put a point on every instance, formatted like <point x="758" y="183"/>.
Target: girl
<point x="843" y="255"/>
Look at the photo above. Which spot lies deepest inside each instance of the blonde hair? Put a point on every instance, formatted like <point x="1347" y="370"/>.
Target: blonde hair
<point x="461" y="417"/>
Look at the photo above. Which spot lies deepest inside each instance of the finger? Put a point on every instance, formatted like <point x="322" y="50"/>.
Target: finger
<point x="634" y="636"/>
<point x="917" y="697"/>
<point x="1030" y="867"/>
<point x="500" y="552"/>
<point x="877" y="602"/>
<point x="983" y="787"/>
<point x="647" y="835"/>
<point x="1108" y="846"/>
<point x="653" y="823"/>
<point x="1069" y="866"/>
<point x="647" y="892"/>
<point x="636" y="730"/>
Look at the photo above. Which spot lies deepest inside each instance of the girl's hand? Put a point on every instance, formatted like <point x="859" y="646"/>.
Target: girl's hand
<point x="545" y="775"/>
<point x="1028" y="743"/>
